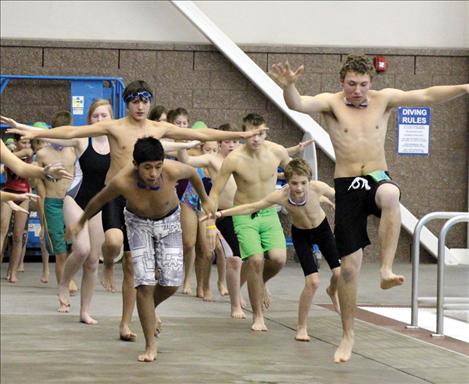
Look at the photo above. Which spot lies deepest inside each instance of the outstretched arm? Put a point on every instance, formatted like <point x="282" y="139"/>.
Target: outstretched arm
<point x="245" y="209"/>
<point x="194" y="161"/>
<point x="428" y="96"/>
<point x="19" y="167"/>
<point x="65" y="132"/>
<point x="170" y="146"/>
<point x="299" y="147"/>
<point x="324" y="189"/>
<point x="15" y="125"/>
<point x="205" y="134"/>
<point x="287" y="78"/>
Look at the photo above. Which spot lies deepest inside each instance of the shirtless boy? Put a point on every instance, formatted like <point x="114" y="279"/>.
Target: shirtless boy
<point x="53" y="203"/>
<point x="152" y="219"/>
<point x="357" y="118"/>
<point x="301" y="197"/>
<point x="122" y="135"/>
<point x="254" y="169"/>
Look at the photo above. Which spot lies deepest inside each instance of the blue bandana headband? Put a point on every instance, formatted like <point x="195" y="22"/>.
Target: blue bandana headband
<point x="143" y="95"/>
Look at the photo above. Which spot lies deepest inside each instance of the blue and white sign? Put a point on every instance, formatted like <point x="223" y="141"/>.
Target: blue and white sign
<point x="413" y="131"/>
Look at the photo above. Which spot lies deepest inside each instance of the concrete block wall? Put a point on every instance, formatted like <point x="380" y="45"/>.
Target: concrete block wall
<point x="200" y="79"/>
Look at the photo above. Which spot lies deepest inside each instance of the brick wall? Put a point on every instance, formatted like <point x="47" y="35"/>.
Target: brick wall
<point x="200" y="79"/>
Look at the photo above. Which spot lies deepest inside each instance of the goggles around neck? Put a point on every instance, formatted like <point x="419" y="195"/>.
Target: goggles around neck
<point x="142" y="95"/>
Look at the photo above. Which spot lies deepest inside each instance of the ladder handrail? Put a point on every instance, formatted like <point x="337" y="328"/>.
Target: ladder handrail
<point x="441" y="268"/>
<point x="415" y="255"/>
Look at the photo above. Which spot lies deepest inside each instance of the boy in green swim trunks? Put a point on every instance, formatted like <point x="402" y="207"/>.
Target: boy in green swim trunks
<point x="53" y="206"/>
<point x="254" y="168"/>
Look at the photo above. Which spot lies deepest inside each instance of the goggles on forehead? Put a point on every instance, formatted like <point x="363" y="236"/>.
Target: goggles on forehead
<point x="143" y="95"/>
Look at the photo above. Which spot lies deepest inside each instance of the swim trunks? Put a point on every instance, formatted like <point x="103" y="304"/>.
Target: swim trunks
<point x="157" y="251"/>
<point x="303" y="240"/>
<point x="355" y="201"/>
<point x="54" y="213"/>
<point x="259" y="232"/>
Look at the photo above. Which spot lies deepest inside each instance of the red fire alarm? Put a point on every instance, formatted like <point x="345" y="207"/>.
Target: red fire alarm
<point x="380" y="63"/>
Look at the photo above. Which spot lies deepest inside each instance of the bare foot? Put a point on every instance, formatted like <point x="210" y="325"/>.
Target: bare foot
<point x="238" y="313"/>
<point x="72" y="286"/>
<point x="45" y="277"/>
<point x="12" y="279"/>
<point x="107" y="279"/>
<point x="148" y="356"/>
<point x="302" y="335"/>
<point x="87" y="319"/>
<point x="199" y="292"/>
<point x="64" y="300"/>
<point x="222" y="289"/>
<point x="267" y="298"/>
<point x="187" y="290"/>
<point x="20" y="268"/>
<point x="126" y="334"/>
<point x="391" y="280"/>
<point x="63" y="307"/>
<point x="208" y="296"/>
<point x="334" y="298"/>
<point x="344" y="351"/>
<point x="259" y="325"/>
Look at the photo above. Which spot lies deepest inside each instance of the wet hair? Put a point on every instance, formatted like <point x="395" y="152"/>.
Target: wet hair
<point x="148" y="149"/>
<point x="61" y="118"/>
<point x="156" y="112"/>
<point x="359" y="64"/>
<point x="252" y="119"/>
<point x="96" y="104"/>
<point x="135" y="87"/>
<point x="298" y="167"/>
<point x="174" y="113"/>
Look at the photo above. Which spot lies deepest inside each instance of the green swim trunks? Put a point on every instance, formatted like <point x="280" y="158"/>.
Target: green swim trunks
<point x="54" y="212"/>
<point x="259" y="232"/>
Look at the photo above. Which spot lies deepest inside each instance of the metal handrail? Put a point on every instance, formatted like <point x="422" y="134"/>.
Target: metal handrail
<point x="441" y="268"/>
<point x="415" y="254"/>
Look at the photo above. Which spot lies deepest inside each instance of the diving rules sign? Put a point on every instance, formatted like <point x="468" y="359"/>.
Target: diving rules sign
<point x="413" y="131"/>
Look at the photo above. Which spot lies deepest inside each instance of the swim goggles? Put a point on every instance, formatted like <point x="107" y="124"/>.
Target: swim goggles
<point x="142" y="95"/>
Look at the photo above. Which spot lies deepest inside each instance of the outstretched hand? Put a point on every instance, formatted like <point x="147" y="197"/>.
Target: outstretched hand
<point x="284" y="75"/>
<point x="254" y="132"/>
<point x="57" y="171"/>
<point x="72" y="231"/>
<point x="206" y="217"/>
<point x="15" y="207"/>
<point x="304" y="144"/>
<point x="193" y="143"/>
<point x="10" y="122"/>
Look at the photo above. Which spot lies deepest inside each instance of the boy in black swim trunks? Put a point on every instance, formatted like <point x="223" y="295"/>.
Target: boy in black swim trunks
<point x="356" y="118"/>
<point x="301" y="197"/>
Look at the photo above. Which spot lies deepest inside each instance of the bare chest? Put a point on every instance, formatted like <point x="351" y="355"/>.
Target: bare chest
<point x="257" y="170"/>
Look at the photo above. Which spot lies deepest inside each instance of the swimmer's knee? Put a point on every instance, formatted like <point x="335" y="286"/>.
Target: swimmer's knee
<point x="256" y="263"/>
<point x="348" y="273"/>
<point x="312" y="281"/>
<point x="90" y="266"/>
<point x="233" y="262"/>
